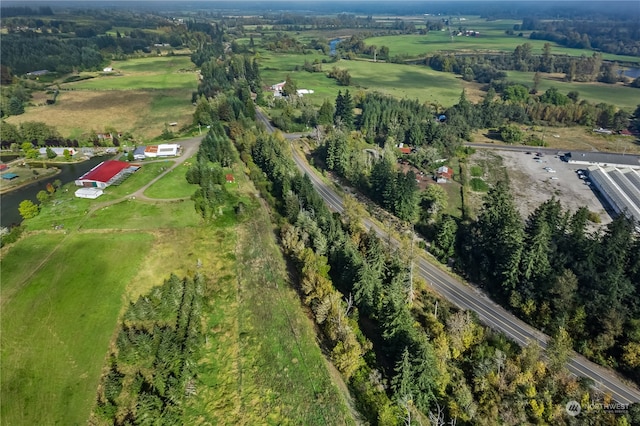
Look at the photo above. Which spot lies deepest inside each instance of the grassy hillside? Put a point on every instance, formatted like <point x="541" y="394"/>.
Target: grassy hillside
<point x="57" y="324"/>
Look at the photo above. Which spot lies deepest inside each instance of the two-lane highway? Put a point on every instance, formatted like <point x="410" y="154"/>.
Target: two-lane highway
<point x="467" y="297"/>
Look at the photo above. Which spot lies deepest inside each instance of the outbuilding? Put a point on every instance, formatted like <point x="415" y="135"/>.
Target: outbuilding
<point x="90" y="193"/>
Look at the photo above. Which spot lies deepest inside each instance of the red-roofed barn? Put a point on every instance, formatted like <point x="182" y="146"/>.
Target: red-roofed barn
<point x="105" y="174"/>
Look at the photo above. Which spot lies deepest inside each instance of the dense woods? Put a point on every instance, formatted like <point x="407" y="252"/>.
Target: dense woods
<point x="555" y="274"/>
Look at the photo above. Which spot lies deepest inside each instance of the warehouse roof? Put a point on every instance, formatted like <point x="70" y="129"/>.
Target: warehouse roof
<point x="105" y="171"/>
<point x="604" y="158"/>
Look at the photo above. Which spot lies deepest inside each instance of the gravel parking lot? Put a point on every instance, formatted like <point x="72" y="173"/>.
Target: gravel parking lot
<point x="532" y="184"/>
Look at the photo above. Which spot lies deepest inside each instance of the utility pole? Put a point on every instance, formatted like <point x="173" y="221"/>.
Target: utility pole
<point x="375" y="51"/>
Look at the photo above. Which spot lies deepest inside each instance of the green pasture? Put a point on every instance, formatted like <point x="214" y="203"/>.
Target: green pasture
<point x="399" y="80"/>
<point x="414" y="45"/>
<point x="174" y="184"/>
<point x="57" y="325"/>
<point x="64" y="209"/>
<point x="134" y="214"/>
<point x="615" y="94"/>
<point x="159" y="72"/>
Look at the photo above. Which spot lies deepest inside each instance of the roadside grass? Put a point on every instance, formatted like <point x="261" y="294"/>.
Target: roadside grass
<point x="56" y="329"/>
<point x="572" y="139"/>
<point x="174" y="184"/>
<point x="262" y="364"/>
<point x="130" y="214"/>
<point x="615" y="94"/>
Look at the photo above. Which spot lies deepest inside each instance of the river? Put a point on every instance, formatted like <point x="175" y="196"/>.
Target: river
<point x="9" y="202"/>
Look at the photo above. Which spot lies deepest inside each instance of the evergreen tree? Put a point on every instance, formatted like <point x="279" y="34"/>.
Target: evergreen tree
<point x="326" y="112"/>
<point x="498" y="240"/>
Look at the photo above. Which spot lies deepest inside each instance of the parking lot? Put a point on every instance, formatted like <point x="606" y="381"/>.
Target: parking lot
<point x="532" y="184"/>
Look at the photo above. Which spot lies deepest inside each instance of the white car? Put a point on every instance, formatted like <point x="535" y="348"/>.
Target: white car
<point x="551" y="170"/>
<point x="554" y="178"/>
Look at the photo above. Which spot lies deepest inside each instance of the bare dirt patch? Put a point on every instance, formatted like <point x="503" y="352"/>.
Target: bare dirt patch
<point x="531" y="184"/>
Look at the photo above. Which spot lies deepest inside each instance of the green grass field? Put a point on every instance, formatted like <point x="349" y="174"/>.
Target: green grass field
<point x="261" y="361"/>
<point x="402" y="81"/>
<point x="163" y="72"/>
<point x="489" y="40"/>
<point x="615" y="94"/>
<point x="262" y="365"/>
<point x="173" y="184"/>
<point x="56" y="327"/>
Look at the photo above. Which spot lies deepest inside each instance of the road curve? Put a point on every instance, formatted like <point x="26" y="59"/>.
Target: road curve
<point x="468" y="297"/>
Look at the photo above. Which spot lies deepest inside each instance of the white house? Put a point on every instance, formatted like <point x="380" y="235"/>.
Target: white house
<point x="107" y="69"/>
<point x="162" y="150"/>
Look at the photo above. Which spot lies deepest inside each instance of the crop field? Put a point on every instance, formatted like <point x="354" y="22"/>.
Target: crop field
<point x="149" y="93"/>
<point x="54" y="333"/>
<point x="615" y="94"/>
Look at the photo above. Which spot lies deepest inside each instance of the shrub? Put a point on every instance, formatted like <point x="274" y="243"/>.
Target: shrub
<point x="593" y="217"/>
<point x="478" y="185"/>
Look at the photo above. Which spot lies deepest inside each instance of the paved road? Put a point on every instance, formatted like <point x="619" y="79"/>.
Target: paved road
<point x="468" y="297"/>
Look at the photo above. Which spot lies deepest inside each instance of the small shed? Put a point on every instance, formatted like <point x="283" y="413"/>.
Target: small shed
<point x="230" y="178"/>
<point x="3" y="166"/>
<point x="9" y="176"/>
<point x="90" y="193"/>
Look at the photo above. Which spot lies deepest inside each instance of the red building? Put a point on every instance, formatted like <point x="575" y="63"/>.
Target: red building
<point x="106" y="173"/>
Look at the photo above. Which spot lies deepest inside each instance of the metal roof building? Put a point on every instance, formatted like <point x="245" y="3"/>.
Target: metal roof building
<point x="106" y="173"/>
<point x="620" y="188"/>
<point x="604" y="159"/>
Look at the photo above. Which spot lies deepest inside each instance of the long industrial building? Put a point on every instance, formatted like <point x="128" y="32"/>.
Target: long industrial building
<point x="603" y="159"/>
<point x="620" y="187"/>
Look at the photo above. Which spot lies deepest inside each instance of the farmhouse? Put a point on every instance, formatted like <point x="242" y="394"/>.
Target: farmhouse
<point x="162" y="150"/>
<point x="444" y="174"/>
<point x="620" y="187"/>
<point x="106" y="173"/>
<point x="138" y="153"/>
<point x="603" y="159"/>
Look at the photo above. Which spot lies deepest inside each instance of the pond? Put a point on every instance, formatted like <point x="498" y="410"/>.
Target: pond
<point x="9" y="202"/>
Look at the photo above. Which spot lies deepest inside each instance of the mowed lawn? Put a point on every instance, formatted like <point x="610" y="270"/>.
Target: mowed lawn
<point x="57" y="324"/>
<point x="174" y="184"/>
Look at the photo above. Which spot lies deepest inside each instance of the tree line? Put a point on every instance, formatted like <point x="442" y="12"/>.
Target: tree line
<point x="152" y="366"/>
<point x="555" y="274"/>
<point x="404" y="353"/>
